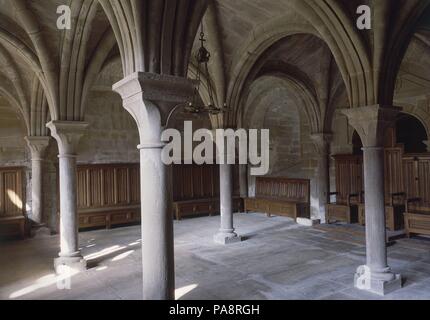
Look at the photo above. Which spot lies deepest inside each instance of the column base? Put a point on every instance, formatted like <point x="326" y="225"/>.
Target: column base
<point x="39" y="231"/>
<point x="227" y="238"/>
<point x="62" y="264"/>
<point x="308" y="222"/>
<point x="363" y="280"/>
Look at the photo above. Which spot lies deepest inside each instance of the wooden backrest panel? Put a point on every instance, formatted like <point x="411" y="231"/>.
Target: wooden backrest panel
<point x="108" y="185"/>
<point x="12" y="201"/>
<point x="416" y="172"/>
<point x="424" y="180"/>
<point x="192" y="182"/>
<point x="294" y="190"/>
<point x="393" y="171"/>
<point x="349" y="176"/>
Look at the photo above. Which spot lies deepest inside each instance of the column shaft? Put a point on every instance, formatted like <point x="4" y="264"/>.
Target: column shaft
<point x="68" y="135"/>
<point x="37" y="146"/>
<point x="157" y="228"/>
<point x="226" y="200"/>
<point x="68" y="207"/>
<point x="375" y="210"/>
<point x="36" y="191"/>
<point x="226" y="232"/>
<point x="371" y="122"/>
<point x="322" y="144"/>
<point x="323" y="183"/>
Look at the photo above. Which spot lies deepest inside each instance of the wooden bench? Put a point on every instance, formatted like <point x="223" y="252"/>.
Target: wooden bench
<point x="417" y="217"/>
<point x="416" y="175"/>
<point x="107" y="194"/>
<point x="13" y="219"/>
<point x="349" y="187"/>
<point x="344" y="211"/>
<point x="198" y="207"/>
<point x="196" y="190"/>
<point x="393" y="212"/>
<point x="109" y="217"/>
<point x="13" y="227"/>
<point x="281" y="196"/>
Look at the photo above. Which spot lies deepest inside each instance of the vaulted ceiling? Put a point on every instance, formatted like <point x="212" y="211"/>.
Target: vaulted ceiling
<point x="248" y="39"/>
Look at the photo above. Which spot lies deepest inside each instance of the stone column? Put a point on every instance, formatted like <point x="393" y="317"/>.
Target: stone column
<point x="37" y="146"/>
<point x="322" y="144"/>
<point x="226" y="234"/>
<point x="371" y="122"/>
<point x="149" y="98"/>
<point x="243" y="180"/>
<point x="67" y="134"/>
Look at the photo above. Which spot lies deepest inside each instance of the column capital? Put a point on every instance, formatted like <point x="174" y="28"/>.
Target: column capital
<point x="67" y="134"/>
<point x="322" y="141"/>
<point x="150" y="98"/>
<point x="371" y="122"/>
<point x="37" y="146"/>
<point x="154" y="87"/>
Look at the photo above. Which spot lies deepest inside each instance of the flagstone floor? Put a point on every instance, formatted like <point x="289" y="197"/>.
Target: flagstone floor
<point x="278" y="260"/>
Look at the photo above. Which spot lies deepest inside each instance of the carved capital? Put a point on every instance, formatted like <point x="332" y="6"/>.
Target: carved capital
<point x="371" y="122"/>
<point x="150" y="98"/>
<point x="67" y="134"/>
<point x="37" y="146"/>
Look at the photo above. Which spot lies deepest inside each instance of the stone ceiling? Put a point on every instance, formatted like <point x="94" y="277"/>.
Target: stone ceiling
<point x="238" y="23"/>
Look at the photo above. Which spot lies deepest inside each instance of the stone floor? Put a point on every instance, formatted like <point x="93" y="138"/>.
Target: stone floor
<point x="279" y="260"/>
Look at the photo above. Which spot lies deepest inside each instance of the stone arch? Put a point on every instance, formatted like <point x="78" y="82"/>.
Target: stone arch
<point x="420" y="114"/>
<point x="272" y="105"/>
<point x="32" y="60"/>
<point x="101" y="53"/>
<point x="395" y="53"/>
<point x="302" y="93"/>
<point x="348" y="48"/>
<point x="412" y="133"/>
<point x="147" y="43"/>
<point x="261" y="39"/>
<point x="48" y="66"/>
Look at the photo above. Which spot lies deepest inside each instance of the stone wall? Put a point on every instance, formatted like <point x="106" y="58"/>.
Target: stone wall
<point x="292" y="152"/>
<point x="112" y="134"/>
<point x="112" y="137"/>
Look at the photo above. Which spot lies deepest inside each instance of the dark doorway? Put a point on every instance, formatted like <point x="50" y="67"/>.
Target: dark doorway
<point x="411" y="133"/>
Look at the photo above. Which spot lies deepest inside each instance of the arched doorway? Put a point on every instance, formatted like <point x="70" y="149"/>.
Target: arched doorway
<point x="411" y="133"/>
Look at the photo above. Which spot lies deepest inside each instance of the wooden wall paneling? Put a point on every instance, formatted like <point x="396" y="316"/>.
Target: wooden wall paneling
<point x="121" y="186"/>
<point x="196" y="190"/>
<point x="14" y="202"/>
<point x="109" y="187"/>
<point x="410" y="167"/>
<point x="207" y="182"/>
<point x="82" y="189"/>
<point x="13" y="219"/>
<point x="424" y="180"/>
<point x="95" y="182"/>
<point x="135" y="184"/>
<point x="108" y="194"/>
<point x="349" y="176"/>
<point x="393" y="167"/>
<point x="417" y="183"/>
<point x="281" y="196"/>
